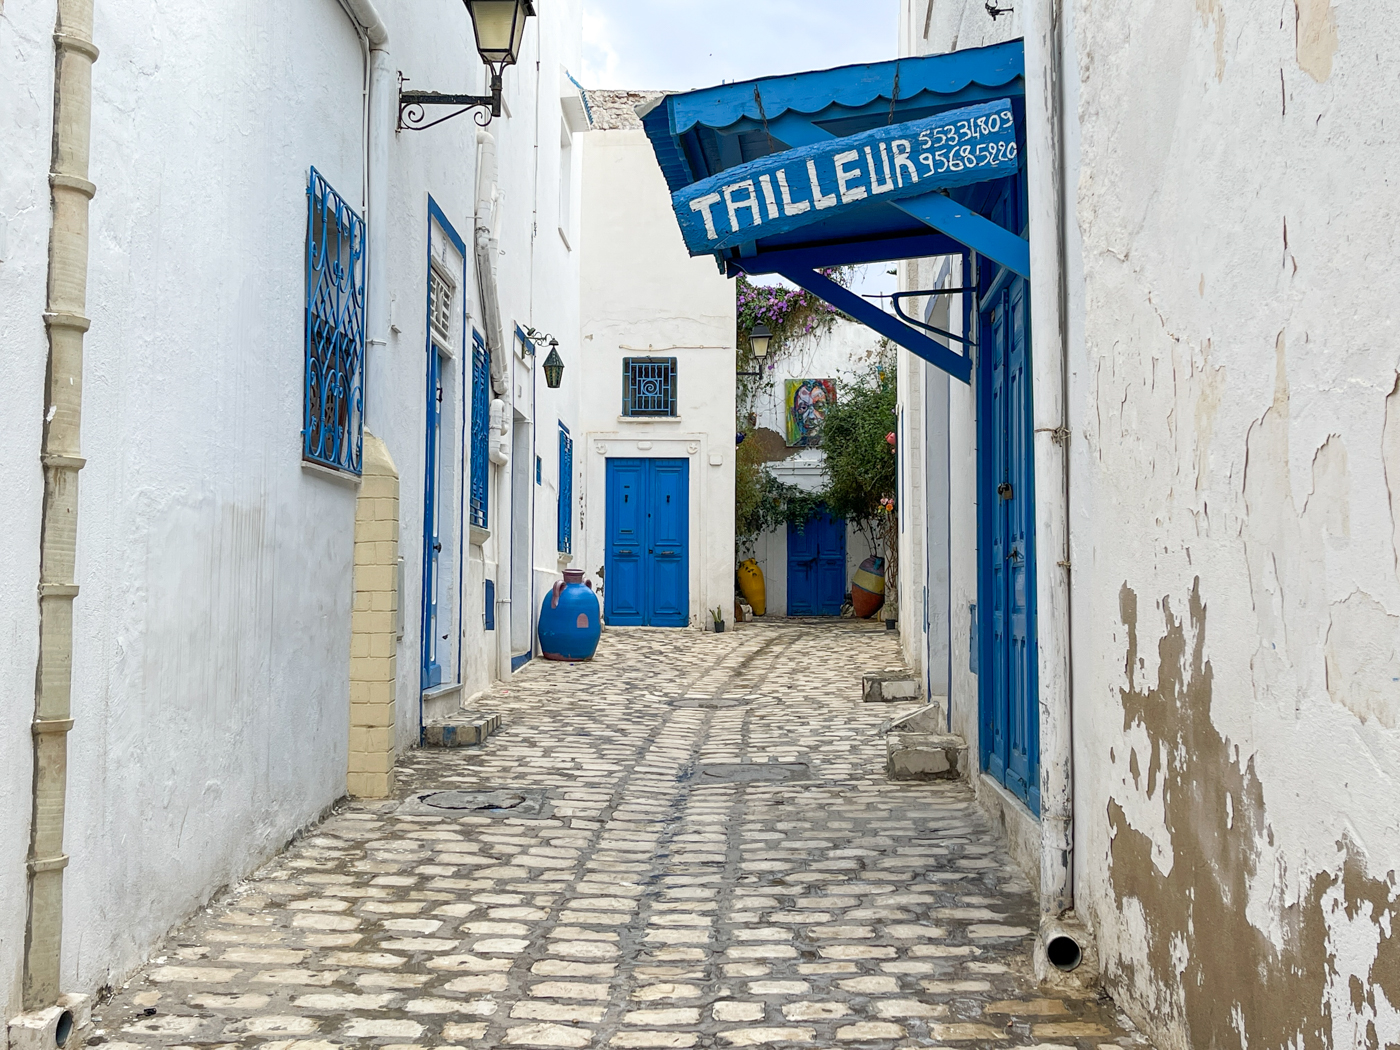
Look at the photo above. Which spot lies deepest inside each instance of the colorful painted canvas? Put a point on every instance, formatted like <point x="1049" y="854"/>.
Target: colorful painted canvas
<point x="807" y="401"/>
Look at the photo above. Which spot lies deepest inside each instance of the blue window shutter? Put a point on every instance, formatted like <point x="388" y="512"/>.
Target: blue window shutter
<point x="566" y="491"/>
<point x="481" y="427"/>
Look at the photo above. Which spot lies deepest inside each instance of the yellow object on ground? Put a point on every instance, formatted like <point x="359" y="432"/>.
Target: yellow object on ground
<point x="751" y="586"/>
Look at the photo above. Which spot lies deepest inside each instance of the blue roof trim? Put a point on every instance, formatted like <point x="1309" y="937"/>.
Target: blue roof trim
<point x="849" y="86"/>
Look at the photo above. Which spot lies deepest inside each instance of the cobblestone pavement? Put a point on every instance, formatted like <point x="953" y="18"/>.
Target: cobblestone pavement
<point x="692" y="844"/>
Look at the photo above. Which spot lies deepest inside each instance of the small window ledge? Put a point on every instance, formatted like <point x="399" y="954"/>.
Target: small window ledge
<point x="348" y="480"/>
<point x="648" y="419"/>
<point x="479" y="536"/>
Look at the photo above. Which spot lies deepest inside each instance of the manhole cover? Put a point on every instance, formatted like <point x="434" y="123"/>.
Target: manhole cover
<point x="749" y="772"/>
<point x="504" y="802"/>
<point x="715" y="703"/>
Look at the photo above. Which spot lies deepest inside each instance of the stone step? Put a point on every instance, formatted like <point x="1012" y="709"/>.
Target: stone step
<point x="464" y="729"/>
<point x="895" y="685"/>
<point x="919" y="747"/>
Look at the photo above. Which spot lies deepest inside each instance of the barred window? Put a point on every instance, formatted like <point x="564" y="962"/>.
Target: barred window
<point x="566" y="490"/>
<point x="648" y="386"/>
<point x="440" y="294"/>
<point x="333" y="414"/>
<point x="481" y="429"/>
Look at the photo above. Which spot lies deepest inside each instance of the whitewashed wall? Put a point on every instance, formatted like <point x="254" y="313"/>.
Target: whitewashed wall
<point x="26" y="127"/>
<point x="640" y="289"/>
<point x="1235" y="440"/>
<point x="210" y="684"/>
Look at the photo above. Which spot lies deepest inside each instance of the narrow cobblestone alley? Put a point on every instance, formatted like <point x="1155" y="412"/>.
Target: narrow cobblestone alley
<point x="693" y="845"/>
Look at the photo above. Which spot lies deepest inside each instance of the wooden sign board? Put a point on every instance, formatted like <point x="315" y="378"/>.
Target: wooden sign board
<point x="788" y="190"/>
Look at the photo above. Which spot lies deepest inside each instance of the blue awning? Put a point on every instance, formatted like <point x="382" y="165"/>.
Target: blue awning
<point x="699" y="134"/>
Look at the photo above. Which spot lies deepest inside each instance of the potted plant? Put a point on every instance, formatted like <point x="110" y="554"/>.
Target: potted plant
<point x="718" y="615"/>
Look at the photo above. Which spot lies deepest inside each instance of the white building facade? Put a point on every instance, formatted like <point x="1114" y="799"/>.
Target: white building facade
<point x="239" y="583"/>
<point x="1215" y="447"/>
<point x="657" y="410"/>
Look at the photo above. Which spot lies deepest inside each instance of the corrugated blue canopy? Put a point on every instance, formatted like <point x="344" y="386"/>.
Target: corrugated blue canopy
<point x="699" y="134"/>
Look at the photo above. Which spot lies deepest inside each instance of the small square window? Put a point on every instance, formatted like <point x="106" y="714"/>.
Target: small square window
<point x="440" y="295"/>
<point x="648" y="386"/>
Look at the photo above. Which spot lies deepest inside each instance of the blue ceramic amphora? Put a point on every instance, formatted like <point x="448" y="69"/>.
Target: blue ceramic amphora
<point x="570" y="624"/>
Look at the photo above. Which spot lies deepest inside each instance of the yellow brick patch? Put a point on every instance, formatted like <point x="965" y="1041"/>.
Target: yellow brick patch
<point x="374" y="626"/>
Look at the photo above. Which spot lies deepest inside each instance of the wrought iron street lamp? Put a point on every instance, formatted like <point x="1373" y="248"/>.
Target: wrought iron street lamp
<point x="499" y="26"/>
<point x="759" y="338"/>
<point x="553" y="367"/>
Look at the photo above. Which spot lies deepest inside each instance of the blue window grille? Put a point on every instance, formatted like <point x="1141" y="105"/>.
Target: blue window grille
<point x="648" y="386"/>
<point x="333" y="418"/>
<point x="566" y="491"/>
<point x="481" y="429"/>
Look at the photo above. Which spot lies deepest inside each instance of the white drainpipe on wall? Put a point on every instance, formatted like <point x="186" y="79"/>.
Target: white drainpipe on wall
<point x="486" y="248"/>
<point x="50" y="1017"/>
<point x="1064" y="945"/>
<point x="382" y="118"/>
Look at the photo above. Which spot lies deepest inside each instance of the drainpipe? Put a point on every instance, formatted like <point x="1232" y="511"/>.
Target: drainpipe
<point x="487" y="250"/>
<point x="380" y="123"/>
<point x="1064" y="945"/>
<point x="64" y="316"/>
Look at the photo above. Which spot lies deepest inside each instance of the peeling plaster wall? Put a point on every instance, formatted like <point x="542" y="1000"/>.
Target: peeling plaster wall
<point x="26" y="128"/>
<point x="1232" y="406"/>
<point x="1234" y="461"/>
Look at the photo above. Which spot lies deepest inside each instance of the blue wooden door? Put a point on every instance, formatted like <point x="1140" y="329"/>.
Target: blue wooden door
<point x="647" y="557"/>
<point x="816" y="566"/>
<point x="1010" y="723"/>
<point x="432" y="525"/>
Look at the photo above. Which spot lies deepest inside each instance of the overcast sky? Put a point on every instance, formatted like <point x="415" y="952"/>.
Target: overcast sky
<point x="680" y="44"/>
<point x="676" y="45"/>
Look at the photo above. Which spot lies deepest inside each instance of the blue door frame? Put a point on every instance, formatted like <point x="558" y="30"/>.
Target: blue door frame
<point x="438" y="463"/>
<point x="816" y="566"/>
<point x="647" y="558"/>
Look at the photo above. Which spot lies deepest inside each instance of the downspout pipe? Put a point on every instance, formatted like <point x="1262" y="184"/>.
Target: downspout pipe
<point x="66" y="321"/>
<point x="1064" y="946"/>
<point x="379" y="132"/>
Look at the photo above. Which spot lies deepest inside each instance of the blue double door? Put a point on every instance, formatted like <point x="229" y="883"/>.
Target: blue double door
<point x="647" y="561"/>
<point x="1010" y="721"/>
<point x="816" y="566"/>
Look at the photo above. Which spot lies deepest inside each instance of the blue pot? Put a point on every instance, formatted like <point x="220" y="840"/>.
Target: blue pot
<point x="570" y="623"/>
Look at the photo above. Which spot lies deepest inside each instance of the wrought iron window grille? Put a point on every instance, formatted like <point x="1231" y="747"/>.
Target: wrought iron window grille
<point x="481" y="430"/>
<point x="566" y="490"/>
<point x="333" y="404"/>
<point x="648" y="386"/>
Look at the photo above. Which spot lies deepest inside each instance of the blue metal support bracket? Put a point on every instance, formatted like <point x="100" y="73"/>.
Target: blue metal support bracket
<point x="848" y="302"/>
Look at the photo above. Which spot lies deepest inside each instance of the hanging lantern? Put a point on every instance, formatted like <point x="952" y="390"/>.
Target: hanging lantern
<point x="553" y="368"/>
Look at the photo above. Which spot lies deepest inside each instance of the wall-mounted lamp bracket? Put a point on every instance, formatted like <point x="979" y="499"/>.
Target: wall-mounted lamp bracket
<point x="413" y="117"/>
